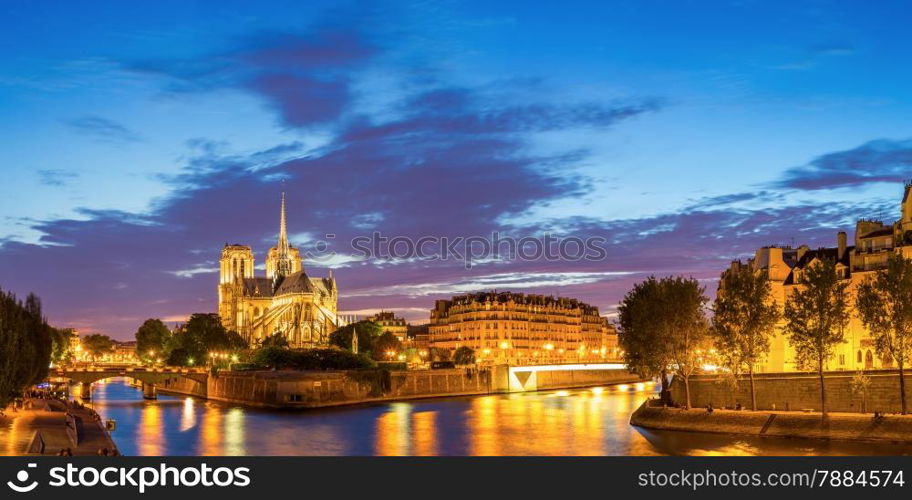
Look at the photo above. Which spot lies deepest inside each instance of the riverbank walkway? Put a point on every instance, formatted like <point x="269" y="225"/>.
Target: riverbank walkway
<point x="53" y="427"/>
<point x="790" y="424"/>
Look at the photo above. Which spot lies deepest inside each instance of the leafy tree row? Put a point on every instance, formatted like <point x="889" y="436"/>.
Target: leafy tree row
<point x="372" y="340"/>
<point x="25" y="345"/>
<point x="190" y="344"/>
<point x="309" y="359"/>
<point x="663" y="326"/>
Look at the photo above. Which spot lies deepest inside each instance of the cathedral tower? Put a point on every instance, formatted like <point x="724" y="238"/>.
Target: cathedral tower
<point x="235" y="263"/>
<point x="235" y="266"/>
<point x="282" y="259"/>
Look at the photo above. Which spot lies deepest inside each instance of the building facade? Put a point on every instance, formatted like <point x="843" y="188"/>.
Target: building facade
<point x="286" y="301"/>
<point x="873" y="242"/>
<point x="390" y="323"/>
<point x="524" y="329"/>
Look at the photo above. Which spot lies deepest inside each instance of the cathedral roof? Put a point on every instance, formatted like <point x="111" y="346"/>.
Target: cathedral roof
<point x="293" y="283"/>
<point x="297" y="282"/>
<point x="258" y="287"/>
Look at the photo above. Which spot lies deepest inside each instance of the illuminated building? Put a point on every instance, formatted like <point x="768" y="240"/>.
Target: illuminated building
<point x="123" y="352"/>
<point x="520" y="328"/>
<point x="874" y="241"/>
<point x="285" y="301"/>
<point x="389" y="322"/>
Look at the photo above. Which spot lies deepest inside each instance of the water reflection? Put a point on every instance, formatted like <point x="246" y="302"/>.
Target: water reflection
<point x="575" y="422"/>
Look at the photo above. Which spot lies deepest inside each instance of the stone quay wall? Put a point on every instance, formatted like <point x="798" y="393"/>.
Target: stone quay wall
<point x="547" y="380"/>
<point x="197" y="386"/>
<point x="797" y="391"/>
<point x="297" y="389"/>
<point x="290" y="389"/>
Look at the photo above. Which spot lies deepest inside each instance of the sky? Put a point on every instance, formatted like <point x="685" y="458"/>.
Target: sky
<point x="137" y="139"/>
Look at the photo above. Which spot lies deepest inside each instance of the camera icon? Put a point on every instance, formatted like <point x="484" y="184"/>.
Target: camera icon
<point x="21" y="477"/>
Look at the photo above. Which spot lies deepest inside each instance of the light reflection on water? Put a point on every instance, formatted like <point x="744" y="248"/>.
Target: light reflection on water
<point x="574" y="422"/>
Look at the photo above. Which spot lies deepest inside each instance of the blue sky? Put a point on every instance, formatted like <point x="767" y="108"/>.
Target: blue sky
<point x="138" y="138"/>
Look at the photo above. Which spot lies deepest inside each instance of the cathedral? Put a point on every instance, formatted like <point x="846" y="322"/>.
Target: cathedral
<point x="285" y="301"/>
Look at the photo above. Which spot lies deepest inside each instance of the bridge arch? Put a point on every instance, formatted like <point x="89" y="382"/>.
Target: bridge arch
<point x="150" y="378"/>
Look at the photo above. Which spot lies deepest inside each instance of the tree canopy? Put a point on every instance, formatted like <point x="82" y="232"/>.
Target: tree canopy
<point x="663" y="325"/>
<point x="97" y="345"/>
<point x="744" y="317"/>
<point x="309" y="359"/>
<point x="884" y="303"/>
<point x="464" y="356"/>
<point x="386" y="347"/>
<point x="368" y="333"/>
<point x="816" y="315"/>
<point x="274" y="340"/>
<point x="60" y="344"/>
<point x="25" y="345"/>
<point x="202" y="334"/>
<point x="152" y="338"/>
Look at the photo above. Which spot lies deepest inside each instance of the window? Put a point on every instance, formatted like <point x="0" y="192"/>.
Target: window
<point x="842" y="359"/>
<point x="858" y="360"/>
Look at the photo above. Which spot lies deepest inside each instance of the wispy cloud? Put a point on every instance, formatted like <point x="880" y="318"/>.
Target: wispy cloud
<point x="102" y="129"/>
<point x="876" y="161"/>
<point x="56" y="177"/>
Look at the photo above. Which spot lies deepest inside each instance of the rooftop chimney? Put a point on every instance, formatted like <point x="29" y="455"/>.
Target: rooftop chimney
<point x="841" y="241"/>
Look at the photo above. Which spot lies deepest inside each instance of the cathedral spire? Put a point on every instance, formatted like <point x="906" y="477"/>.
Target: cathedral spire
<point x="283" y="260"/>
<point x="283" y="235"/>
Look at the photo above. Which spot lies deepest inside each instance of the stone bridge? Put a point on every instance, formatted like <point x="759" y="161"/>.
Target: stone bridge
<point x="149" y="377"/>
<point x="559" y="376"/>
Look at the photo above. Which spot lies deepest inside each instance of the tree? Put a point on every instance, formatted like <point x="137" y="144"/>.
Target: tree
<point x="60" y="344"/>
<point x="884" y="304"/>
<point x="25" y="345"/>
<point x="663" y="325"/>
<point x="744" y="316"/>
<point x="861" y="383"/>
<point x="439" y="354"/>
<point x="464" y="356"/>
<point x="274" y="340"/>
<point x="97" y="345"/>
<point x="387" y="346"/>
<point x="179" y="356"/>
<point x="368" y="333"/>
<point x="152" y="338"/>
<point x="203" y="334"/>
<point x="816" y="315"/>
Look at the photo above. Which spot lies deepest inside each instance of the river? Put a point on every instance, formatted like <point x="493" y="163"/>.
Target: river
<point x="573" y="422"/>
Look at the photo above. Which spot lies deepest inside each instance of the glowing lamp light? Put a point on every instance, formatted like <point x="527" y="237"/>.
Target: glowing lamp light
<point x="504" y="345"/>
<point x="549" y="347"/>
